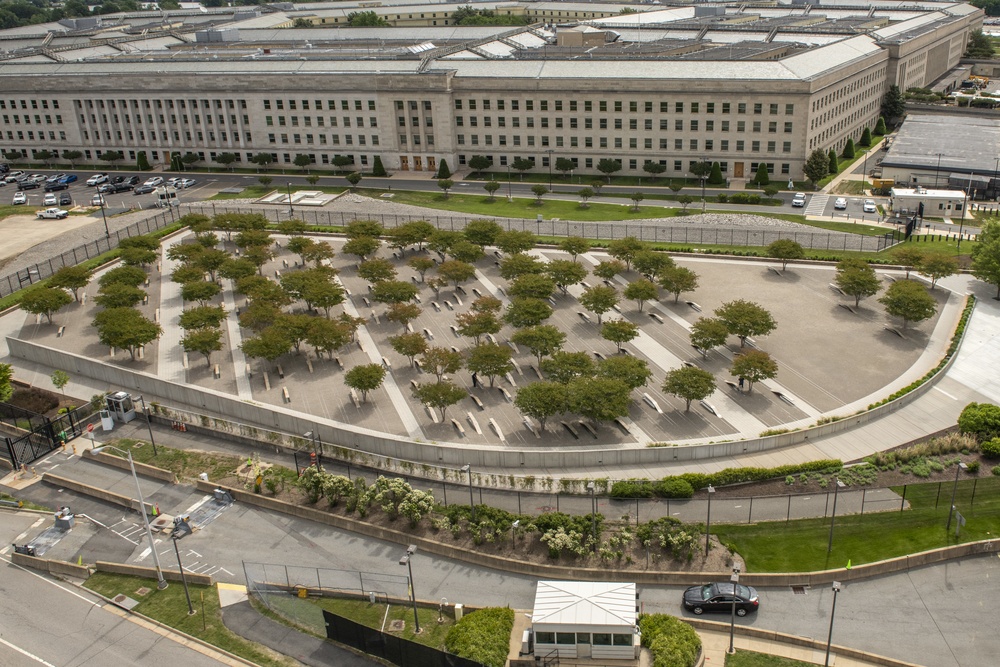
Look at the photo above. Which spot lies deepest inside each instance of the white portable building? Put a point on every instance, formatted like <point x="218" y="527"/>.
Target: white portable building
<point x="585" y="619"/>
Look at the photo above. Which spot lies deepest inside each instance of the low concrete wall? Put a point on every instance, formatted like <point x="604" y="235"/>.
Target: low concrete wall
<point x="140" y="468"/>
<point x="150" y="572"/>
<point x="818" y="578"/>
<point x="94" y="492"/>
<point x="51" y="566"/>
<point x="792" y="640"/>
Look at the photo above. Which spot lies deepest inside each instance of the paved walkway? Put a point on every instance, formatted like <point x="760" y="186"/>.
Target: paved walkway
<point x="169" y="363"/>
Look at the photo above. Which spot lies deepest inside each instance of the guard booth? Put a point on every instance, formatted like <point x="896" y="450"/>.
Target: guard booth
<point x="120" y="406"/>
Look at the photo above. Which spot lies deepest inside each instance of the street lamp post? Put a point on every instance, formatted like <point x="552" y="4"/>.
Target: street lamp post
<point x="149" y="427"/>
<point x="961" y="224"/>
<point x="161" y="583"/>
<point x="708" y="517"/>
<point x="291" y="211"/>
<point x="180" y="567"/>
<point x="549" y="152"/>
<point x="735" y="578"/>
<point x="107" y="232"/>
<point x="509" y="197"/>
<point x="467" y="468"/>
<point x="704" y="162"/>
<point x="406" y="560"/>
<point x="829" y="638"/>
<point x="833" y="516"/>
<point x="954" y="490"/>
<point x="938" y="170"/>
<point x="592" y="490"/>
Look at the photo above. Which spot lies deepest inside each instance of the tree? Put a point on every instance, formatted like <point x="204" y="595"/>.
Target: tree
<point x="522" y="165"/>
<point x="708" y="333"/>
<point x="489" y="359"/>
<point x="394" y="291"/>
<point x="366" y="19"/>
<point x="341" y="161"/>
<point x="262" y="160"/>
<point x="421" y="265"/>
<point x="866" y="138"/>
<point x="415" y="232"/>
<point x="640" y="291"/>
<point x="211" y="260"/>
<point x="531" y="286"/>
<point x="574" y="246"/>
<point x="475" y="325"/>
<point x="456" y="272"/>
<point x="619" y="332"/>
<point x="762" y="177"/>
<point x="446" y="184"/>
<point x="73" y="278"/>
<point x="651" y="263"/>
<point x="362" y="246"/>
<point x="46" y="301"/>
<point x="607" y="166"/>
<point x="744" y="319"/>
<point x="441" y="361"/>
<point x="520" y="264"/>
<point x="482" y="232"/>
<point x="564" y="367"/>
<point x="909" y="301"/>
<point x="857" y="278"/>
<point x="355" y="177"/>
<point x="654" y="169"/>
<point x="6" y="382"/>
<point x="636" y="198"/>
<point x="849" y="149"/>
<point x="125" y="329"/>
<point x="541" y="340"/>
<point x="365" y="378"/>
<point x="376" y="270"/>
<point x="632" y="371"/>
<point x="443" y="170"/>
<point x="200" y="290"/>
<point x="378" y="169"/>
<point x="264" y="180"/>
<point x="403" y="313"/>
<point x="689" y="383"/>
<point x="754" y="366"/>
<point x="72" y="156"/>
<point x="893" y="104"/>
<point x="302" y="161"/>
<point x="515" y="241"/>
<point x="598" y="399"/>
<point x="117" y="295"/>
<point x="564" y="165"/>
<point x="677" y="279"/>
<point x="938" y="265"/>
<point x="566" y="272"/>
<point x="908" y="256"/>
<point x="439" y="395"/>
<point x="770" y="191"/>
<point x="467" y="252"/>
<point x="716" y="177"/>
<point x="817" y="166"/>
<point x="527" y="312"/>
<point x="599" y="299"/>
<point x="539" y="191"/>
<point x="541" y="400"/>
<point x="202" y="317"/>
<point x="684" y="201"/>
<point x="880" y="128"/>
<point x="625" y="250"/>
<point x="491" y="187"/>
<point x="59" y="380"/>
<point x="785" y="250"/>
<point x="834" y="166"/>
<point x="46" y="156"/>
<point x="294" y="327"/>
<point x="326" y="335"/>
<point x="980" y="46"/>
<point x="409" y="345"/>
<point x="203" y="341"/>
<point x="584" y="194"/>
<point x="110" y="156"/>
<point x="317" y="252"/>
<point x="226" y="160"/>
<point x="986" y="254"/>
<point x="607" y="270"/>
<point x="479" y="163"/>
<point x="127" y="275"/>
<point x="236" y="268"/>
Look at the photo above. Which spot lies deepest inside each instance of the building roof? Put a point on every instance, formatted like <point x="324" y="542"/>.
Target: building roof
<point x="940" y="143"/>
<point x="594" y="603"/>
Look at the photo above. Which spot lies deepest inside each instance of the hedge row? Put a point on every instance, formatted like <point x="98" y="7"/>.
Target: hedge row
<point x="672" y="642"/>
<point x="684" y="486"/>
<point x="483" y="636"/>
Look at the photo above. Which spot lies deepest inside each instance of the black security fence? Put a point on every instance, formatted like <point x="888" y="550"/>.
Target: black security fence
<point x="48" y="435"/>
<point x="389" y="647"/>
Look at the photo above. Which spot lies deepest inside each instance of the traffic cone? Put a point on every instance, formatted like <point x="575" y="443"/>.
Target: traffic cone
<point x="156" y="510"/>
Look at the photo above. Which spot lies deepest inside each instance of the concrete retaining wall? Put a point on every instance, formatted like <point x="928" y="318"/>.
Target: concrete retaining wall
<point x="51" y="566"/>
<point x="140" y="468"/>
<point x="150" y="572"/>
<point x="94" y="492"/>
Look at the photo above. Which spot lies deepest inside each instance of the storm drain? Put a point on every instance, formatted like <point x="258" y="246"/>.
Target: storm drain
<point x="799" y="590"/>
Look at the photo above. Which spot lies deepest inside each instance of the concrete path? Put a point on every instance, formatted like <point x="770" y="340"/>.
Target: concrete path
<point x="238" y="359"/>
<point x="170" y="360"/>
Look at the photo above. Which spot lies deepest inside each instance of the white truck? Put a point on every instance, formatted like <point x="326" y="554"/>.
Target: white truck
<point x="52" y="214"/>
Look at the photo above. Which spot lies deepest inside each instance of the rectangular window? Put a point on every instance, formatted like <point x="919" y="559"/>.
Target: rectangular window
<point x="724" y="145"/>
<point x="694" y="126"/>
<point x="789" y="109"/>
<point x="770" y="146"/>
<point x="602" y="105"/>
<point x="678" y="125"/>
<point x="756" y="126"/>
<point x="741" y="107"/>
<point x="679" y="107"/>
<point x="755" y="146"/>
<point x="772" y="109"/>
<point x="618" y="106"/>
<point x="664" y="107"/>
<point x="758" y="108"/>
<point x="788" y="127"/>
<point x="740" y="145"/>
<point x="786" y="147"/>
<point x="695" y="107"/>
<point x="772" y="127"/>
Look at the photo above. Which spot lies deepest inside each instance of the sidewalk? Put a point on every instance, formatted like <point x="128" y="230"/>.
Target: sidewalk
<point x="716" y="645"/>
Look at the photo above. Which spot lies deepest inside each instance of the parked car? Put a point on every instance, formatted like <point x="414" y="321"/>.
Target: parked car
<point x="112" y="188"/>
<point x="50" y="200"/>
<point x="143" y="189"/>
<point x="53" y="187"/>
<point x="27" y="184"/>
<point x="55" y="177"/>
<point x="840" y="204"/>
<point x="20" y="198"/>
<point x="4" y="168"/>
<point x="65" y="199"/>
<point x="718" y="598"/>
<point x="13" y="176"/>
<point x="799" y="200"/>
<point x="97" y="200"/>
<point x="132" y="180"/>
<point x="154" y="181"/>
<point x="117" y="179"/>
<point x="38" y="178"/>
<point x="173" y="180"/>
<point x="97" y="179"/>
<point x="184" y="183"/>
<point x="68" y="178"/>
<point x="869" y="206"/>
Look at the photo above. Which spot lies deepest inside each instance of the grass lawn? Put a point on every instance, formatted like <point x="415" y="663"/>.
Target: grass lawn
<point x="800" y="546"/>
<point x="183" y="463"/>
<point x="851" y="187"/>
<point x="170" y="608"/>
<point x="750" y="659"/>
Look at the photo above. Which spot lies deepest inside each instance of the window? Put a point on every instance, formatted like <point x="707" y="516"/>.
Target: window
<point x="602" y="639"/>
<point x="710" y="126"/>
<point x="603" y="105"/>
<point x="664" y="107"/>
<point x="695" y="107"/>
<point x="789" y="109"/>
<point x="694" y="144"/>
<point x="724" y="145"/>
<point x="710" y="107"/>
<point x="741" y="107"/>
<point x="755" y="146"/>
<point x="772" y="127"/>
<point x="740" y="145"/>
<point x="618" y="106"/>
<point x="679" y="107"/>
<point x="725" y="107"/>
<point x="618" y="123"/>
<point x="588" y="106"/>
<point x="756" y="126"/>
<point x="694" y="126"/>
<point x="758" y="108"/>
<point x="633" y="124"/>
<point x="583" y="638"/>
<point x="709" y="145"/>
<point x="770" y="146"/>
<point x="621" y="640"/>
<point x="741" y="126"/>
<point x="678" y="144"/>
<point x="678" y="125"/>
<point x="786" y="147"/>
<point x="604" y="123"/>
<point x="545" y="638"/>
<point x="678" y="166"/>
<point x="772" y="109"/>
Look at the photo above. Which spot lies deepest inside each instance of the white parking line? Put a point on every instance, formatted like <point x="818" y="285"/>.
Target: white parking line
<point x="25" y="653"/>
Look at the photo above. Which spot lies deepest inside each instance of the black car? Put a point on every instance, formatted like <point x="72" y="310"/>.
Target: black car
<point x="718" y="598"/>
<point x="117" y="179"/>
<point x="132" y="180"/>
<point x="143" y="190"/>
<point x="65" y="199"/>
<point x="52" y="187"/>
<point x="27" y="184"/>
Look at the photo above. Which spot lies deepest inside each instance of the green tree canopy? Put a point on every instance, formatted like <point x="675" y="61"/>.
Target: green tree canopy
<point x="817" y="166"/>
<point x="689" y="383"/>
<point x="745" y="319"/>
<point x="542" y="400"/>
<point x="986" y="254"/>
<point x="598" y="399"/>
<point x="365" y="378"/>
<point x="632" y="371"/>
<point x="564" y="367"/>
<point x="527" y="312"/>
<point x="640" y="291"/>
<point x="857" y="278"/>
<point x="785" y="250"/>
<point x="619" y="332"/>
<point x="489" y="359"/>
<point x="754" y="366"/>
<point x="73" y="278"/>
<point x="909" y="301"/>
<point x="599" y="299"/>
<point x="708" y="333"/>
<point x="440" y="395"/>
<point x="204" y="341"/>
<point x="678" y="279"/>
<point x="125" y="329"/>
<point x="47" y="300"/>
<point x="541" y="340"/>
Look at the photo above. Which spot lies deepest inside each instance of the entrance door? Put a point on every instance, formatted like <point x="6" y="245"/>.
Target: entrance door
<point x="418" y="163"/>
<point x="404" y="163"/>
<point x="431" y="164"/>
<point x="738" y="170"/>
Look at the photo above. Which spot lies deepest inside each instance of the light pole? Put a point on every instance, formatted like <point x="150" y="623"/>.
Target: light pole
<point x="708" y="517"/>
<point x="833" y="517"/>
<point x="864" y="174"/>
<point x="549" y="152"/>
<point x="704" y="164"/>
<point x="509" y="197"/>
<point x="938" y="170"/>
<point x="317" y="444"/>
<point x="472" y="501"/>
<point x="954" y="490"/>
<point x="174" y="536"/>
<point x="592" y="490"/>
<point x="291" y="211"/>
<point x="107" y="232"/>
<point x="149" y="427"/>
<point x="517" y="522"/>
<point x="735" y="578"/>
<point x="961" y="224"/>
<point x="406" y="560"/>
<point x="829" y="638"/>
<point x="161" y="583"/>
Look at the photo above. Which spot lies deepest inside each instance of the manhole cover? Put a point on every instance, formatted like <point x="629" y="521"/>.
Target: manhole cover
<point x="124" y="601"/>
<point x="397" y="626"/>
<point x="799" y="590"/>
<point x="142" y="592"/>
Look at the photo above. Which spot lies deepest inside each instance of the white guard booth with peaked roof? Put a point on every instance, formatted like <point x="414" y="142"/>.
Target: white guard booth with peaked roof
<point x="585" y="619"/>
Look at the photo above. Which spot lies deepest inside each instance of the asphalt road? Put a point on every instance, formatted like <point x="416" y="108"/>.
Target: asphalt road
<point x="46" y="622"/>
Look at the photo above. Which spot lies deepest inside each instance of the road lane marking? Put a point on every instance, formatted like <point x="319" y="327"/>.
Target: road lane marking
<point x="25" y="653"/>
<point x="946" y="393"/>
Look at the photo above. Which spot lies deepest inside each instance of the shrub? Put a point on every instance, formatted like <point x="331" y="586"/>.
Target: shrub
<point x="972" y="468"/>
<point x="672" y="642"/>
<point x="674" y="488"/>
<point x="483" y="636"/>
<point x="995" y="470"/>
<point x="991" y="449"/>
<point x="981" y="420"/>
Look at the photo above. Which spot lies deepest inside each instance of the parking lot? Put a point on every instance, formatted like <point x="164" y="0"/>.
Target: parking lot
<point x="82" y="195"/>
